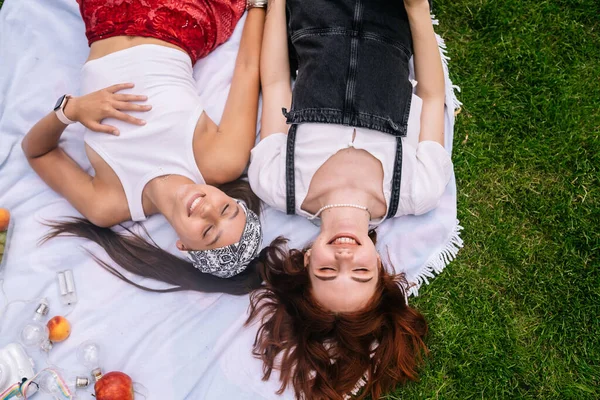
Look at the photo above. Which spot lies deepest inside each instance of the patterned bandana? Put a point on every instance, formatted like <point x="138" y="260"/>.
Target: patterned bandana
<point x="231" y="260"/>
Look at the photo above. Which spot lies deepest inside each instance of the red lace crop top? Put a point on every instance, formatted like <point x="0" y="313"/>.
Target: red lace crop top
<point x="197" y="26"/>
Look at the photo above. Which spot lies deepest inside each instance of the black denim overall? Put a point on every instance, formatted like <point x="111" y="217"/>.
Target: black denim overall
<point x="352" y="58"/>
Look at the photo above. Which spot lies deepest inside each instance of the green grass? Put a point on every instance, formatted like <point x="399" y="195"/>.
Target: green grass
<point x="518" y="314"/>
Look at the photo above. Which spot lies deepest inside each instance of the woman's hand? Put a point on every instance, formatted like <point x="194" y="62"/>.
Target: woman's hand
<point x="92" y="108"/>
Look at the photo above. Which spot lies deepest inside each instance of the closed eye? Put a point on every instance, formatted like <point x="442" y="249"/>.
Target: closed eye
<point x="361" y="280"/>
<point x="224" y="209"/>
<point x="206" y="231"/>
<point x="235" y="213"/>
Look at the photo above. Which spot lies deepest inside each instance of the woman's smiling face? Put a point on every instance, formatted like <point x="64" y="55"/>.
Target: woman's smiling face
<point x="344" y="271"/>
<point x="205" y="218"/>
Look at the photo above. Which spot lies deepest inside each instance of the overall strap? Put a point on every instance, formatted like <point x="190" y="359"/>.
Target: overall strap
<point x="290" y="180"/>
<point x="396" y="180"/>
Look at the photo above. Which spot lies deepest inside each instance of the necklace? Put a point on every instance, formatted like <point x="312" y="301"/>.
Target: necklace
<point x="328" y="206"/>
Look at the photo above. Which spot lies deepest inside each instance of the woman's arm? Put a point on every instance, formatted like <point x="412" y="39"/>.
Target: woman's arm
<point x="90" y="197"/>
<point x="275" y="71"/>
<point x="428" y="71"/>
<point x="229" y="148"/>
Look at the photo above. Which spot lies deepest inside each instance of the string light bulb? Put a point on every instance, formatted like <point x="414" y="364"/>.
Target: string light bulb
<point x="35" y="333"/>
<point x="88" y="354"/>
<point x="57" y="383"/>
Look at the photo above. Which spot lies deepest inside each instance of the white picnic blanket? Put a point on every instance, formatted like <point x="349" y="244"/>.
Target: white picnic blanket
<point x="179" y="345"/>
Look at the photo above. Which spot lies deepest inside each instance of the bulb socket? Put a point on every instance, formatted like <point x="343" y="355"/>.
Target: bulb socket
<point x="97" y="374"/>
<point x="46" y="345"/>
<point x="42" y="309"/>
<point x="81" y="382"/>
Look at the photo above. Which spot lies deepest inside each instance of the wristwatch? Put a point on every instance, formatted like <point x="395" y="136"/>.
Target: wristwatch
<point x="59" y="109"/>
<point x="256" y="4"/>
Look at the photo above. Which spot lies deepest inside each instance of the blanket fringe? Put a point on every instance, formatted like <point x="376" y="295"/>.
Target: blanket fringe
<point x="456" y="104"/>
<point x="436" y="263"/>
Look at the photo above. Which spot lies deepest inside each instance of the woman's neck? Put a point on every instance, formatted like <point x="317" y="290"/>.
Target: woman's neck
<point x="346" y="219"/>
<point x="161" y="193"/>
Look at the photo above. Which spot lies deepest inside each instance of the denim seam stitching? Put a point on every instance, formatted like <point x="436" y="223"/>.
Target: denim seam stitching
<point x="290" y="172"/>
<point x="318" y="32"/>
<point x="385" y="40"/>
<point x="332" y="111"/>
<point x="351" y="33"/>
<point x="353" y="64"/>
<point x="396" y="180"/>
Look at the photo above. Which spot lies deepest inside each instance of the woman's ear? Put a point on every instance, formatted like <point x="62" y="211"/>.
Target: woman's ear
<point x="180" y="245"/>
<point x="306" y="258"/>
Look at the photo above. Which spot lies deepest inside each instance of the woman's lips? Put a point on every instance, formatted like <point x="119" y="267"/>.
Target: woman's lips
<point x="193" y="202"/>
<point x="347" y="239"/>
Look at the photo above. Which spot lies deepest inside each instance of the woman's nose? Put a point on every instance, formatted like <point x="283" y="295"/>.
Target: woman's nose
<point x="344" y="255"/>
<point x="209" y="211"/>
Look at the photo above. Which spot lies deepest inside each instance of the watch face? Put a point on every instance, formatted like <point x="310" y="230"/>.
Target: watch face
<point x="59" y="102"/>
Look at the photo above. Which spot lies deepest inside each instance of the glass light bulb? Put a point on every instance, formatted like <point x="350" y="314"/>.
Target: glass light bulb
<point x="47" y="383"/>
<point x="57" y="383"/>
<point x="34" y="334"/>
<point x="88" y="353"/>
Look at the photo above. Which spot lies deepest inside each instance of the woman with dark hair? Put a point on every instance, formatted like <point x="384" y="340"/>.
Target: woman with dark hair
<point x="177" y="162"/>
<point x="356" y="147"/>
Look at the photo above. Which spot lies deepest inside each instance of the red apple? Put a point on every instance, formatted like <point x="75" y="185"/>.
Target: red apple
<point x="114" y="386"/>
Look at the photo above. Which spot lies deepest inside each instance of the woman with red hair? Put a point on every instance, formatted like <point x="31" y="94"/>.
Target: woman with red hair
<point x="353" y="147"/>
<point x="323" y="353"/>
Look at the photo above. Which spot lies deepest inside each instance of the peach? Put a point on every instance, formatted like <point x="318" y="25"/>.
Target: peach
<point x="4" y="219"/>
<point x="59" y="328"/>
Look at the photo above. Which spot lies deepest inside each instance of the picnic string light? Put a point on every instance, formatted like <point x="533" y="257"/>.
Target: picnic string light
<point x="49" y="381"/>
<point x="88" y="354"/>
<point x="35" y="333"/>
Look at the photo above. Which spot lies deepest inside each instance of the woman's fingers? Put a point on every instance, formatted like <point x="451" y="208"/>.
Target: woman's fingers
<point x="96" y="127"/>
<point x="127" y="118"/>
<point x="129" y="97"/>
<point x="119" y="86"/>
<point x="126" y="106"/>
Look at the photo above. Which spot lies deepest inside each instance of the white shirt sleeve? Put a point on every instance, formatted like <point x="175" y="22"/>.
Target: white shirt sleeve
<point x="266" y="173"/>
<point x="431" y="174"/>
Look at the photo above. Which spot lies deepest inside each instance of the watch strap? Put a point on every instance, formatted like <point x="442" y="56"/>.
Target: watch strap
<point x="60" y="113"/>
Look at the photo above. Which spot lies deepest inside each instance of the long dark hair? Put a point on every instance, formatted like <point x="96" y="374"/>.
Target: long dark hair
<point x="143" y="257"/>
<point x="322" y="355"/>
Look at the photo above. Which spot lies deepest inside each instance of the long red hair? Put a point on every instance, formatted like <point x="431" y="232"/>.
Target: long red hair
<point x="324" y="355"/>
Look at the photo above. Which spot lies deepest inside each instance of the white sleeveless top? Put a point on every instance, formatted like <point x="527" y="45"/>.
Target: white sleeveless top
<point x="164" y="145"/>
<point x="426" y="166"/>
